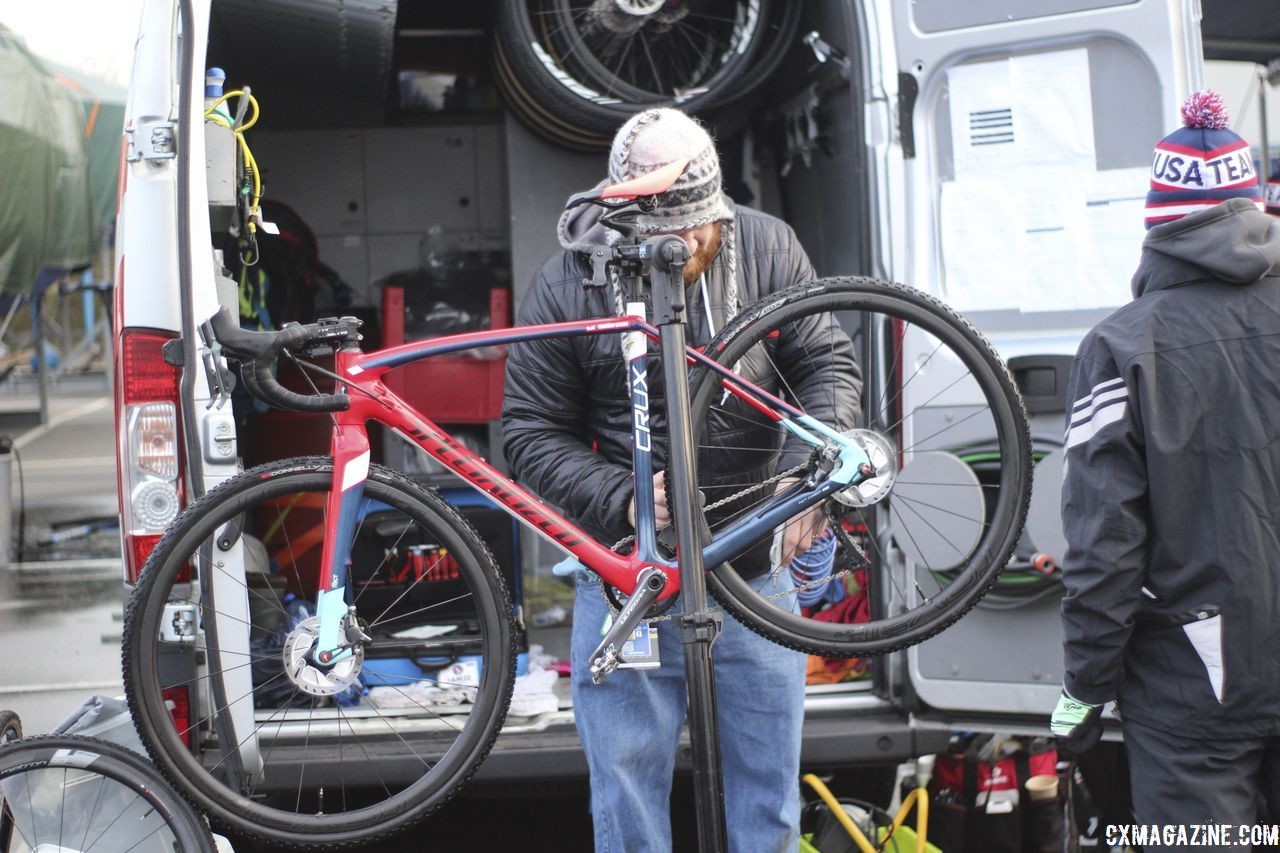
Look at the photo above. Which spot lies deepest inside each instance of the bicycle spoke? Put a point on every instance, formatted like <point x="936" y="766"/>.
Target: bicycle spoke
<point x="302" y="774"/>
<point x="368" y="759"/>
<point x="93" y="812"/>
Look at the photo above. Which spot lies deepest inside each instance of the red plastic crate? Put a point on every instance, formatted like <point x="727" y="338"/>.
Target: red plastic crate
<point x="454" y="389"/>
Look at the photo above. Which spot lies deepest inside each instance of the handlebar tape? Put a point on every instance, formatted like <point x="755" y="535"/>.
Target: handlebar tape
<point x="257" y="352"/>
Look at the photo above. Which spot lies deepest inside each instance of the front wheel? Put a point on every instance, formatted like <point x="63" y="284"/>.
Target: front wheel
<point x="79" y="793"/>
<point x="239" y="717"/>
<point x="910" y="551"/>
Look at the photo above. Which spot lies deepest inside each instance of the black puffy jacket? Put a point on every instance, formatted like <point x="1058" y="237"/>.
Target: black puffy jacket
<point x="567" y="412"/>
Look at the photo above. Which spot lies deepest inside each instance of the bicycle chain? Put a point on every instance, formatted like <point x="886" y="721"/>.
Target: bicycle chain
<point x="777" y="478"/>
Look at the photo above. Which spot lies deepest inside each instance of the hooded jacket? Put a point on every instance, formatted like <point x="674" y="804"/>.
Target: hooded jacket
<point x="1171" y="493"/>
<point x="567" y="409"/>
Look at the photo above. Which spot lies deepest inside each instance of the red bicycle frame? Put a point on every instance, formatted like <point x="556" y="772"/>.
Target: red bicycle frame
<point x="371" y="400"/>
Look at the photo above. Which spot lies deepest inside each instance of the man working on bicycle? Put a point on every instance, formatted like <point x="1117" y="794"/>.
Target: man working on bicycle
<point x="1170" y="496"/>
<point x="567" y="434"/>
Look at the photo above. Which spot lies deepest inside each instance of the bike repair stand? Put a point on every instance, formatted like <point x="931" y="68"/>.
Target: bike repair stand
<point x="699" y="627"/>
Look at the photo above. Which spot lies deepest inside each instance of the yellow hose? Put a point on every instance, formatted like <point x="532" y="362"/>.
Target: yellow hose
<point x="919" y="797"/>
<point x="824" y="793"/>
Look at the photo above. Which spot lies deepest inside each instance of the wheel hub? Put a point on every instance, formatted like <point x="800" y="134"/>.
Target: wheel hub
<point x="883" y="458"/>
<point x="305" y="674"/>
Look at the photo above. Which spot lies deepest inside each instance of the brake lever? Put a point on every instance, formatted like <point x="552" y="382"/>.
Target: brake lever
<point x="217" y="374"/>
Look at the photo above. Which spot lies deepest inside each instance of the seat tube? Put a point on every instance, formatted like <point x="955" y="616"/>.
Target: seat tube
<point x="635" y="350"/>
<point x="350" y="450"/>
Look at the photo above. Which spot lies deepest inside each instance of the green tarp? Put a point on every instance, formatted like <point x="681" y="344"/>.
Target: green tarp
<point x="103" y="106"/>
<point x="46" y="214"/>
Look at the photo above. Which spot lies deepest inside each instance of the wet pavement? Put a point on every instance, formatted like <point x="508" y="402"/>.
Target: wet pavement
<point x="61" y="601"/>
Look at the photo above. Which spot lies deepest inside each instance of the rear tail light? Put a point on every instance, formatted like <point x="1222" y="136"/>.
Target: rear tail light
<point x="178" y="701"/>
<point x="148" y="432"/>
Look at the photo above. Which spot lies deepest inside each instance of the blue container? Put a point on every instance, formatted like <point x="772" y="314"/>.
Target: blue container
<point x="398" y="672"/>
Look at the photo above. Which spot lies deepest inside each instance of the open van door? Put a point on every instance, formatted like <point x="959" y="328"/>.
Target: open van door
<point x="1014" y="191"/>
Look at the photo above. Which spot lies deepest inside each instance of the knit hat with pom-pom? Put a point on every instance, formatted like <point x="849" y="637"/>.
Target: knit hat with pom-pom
<point x="1201" y="164"/>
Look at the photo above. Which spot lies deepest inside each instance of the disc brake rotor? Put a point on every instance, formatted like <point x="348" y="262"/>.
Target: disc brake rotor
<point x="884" y="458"/>
<point x="303" y="672"/>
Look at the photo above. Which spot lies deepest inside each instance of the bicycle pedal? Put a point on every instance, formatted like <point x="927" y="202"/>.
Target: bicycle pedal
<point x="602" y="663"/>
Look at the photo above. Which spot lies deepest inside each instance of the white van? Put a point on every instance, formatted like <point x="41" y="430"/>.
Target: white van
<point x="992" y="153"/>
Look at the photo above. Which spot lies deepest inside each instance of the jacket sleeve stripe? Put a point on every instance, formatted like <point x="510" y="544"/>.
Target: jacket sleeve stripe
<point x="1099" y="402"/>
<point x="1098" y="420"/>
<point x="1100" y="388"/>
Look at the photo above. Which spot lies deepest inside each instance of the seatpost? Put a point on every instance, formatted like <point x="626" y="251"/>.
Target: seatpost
<point x="699" y="627"/>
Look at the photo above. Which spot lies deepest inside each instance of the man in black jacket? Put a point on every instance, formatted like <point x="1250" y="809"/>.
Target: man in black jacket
<point x="1171" y="496"/>
<point x="567" y="434"/>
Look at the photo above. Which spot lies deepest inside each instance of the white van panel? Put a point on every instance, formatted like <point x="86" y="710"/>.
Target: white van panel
<point x="1116" y="71"/>
<point x="145" y="240"/>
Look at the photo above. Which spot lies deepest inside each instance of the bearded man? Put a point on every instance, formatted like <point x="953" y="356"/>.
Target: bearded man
<point x="567" y="436"/>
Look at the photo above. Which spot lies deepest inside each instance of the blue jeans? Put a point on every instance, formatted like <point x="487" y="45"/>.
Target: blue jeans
<point x="630" y="726"/>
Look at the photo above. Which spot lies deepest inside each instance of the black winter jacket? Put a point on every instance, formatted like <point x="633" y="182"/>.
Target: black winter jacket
<point x="1171" y="493"/>
<point x="567" y="412"/>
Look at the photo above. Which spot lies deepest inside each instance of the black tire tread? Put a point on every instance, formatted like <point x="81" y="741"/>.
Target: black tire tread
<point x="123" y="766"/>
<point x="9" y="721"/>
<point x="551" y="109"/>
<point x="206" y="503"/>
<point x="1004" y="378"/>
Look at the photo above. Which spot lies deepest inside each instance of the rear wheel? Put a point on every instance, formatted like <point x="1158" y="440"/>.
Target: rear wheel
<point x="939" y="416"/>
<point x="78" y="793"/>
<point x="270" y="744"/>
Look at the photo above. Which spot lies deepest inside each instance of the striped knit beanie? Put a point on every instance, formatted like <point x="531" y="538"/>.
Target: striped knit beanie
<point x="1271" y="196"/>
<point x="1201" y="164"/>
<point x="652" y="139"/>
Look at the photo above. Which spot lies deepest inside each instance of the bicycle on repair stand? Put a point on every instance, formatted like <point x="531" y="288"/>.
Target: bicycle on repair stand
<point x="267" y="740"/>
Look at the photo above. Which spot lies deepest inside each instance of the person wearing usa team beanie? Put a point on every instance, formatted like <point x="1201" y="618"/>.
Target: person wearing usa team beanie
<point x="1271" y="195"/>
<point x="566" y="432"/>
<point x="1169" y="497"/>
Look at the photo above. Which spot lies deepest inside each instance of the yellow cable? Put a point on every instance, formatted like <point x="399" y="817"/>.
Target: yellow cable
<point x="238" y="93"/>
<point x="850" y="827"/>
<point x="250" y="163"/>
<point x="919" y="797"/>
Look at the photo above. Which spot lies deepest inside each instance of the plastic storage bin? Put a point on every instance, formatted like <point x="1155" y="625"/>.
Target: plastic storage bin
<point x="456" y="389"/>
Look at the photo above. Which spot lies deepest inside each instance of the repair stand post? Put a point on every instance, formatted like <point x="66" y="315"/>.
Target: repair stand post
<point x="6" y="500"/>
<point x="699" y="626"/>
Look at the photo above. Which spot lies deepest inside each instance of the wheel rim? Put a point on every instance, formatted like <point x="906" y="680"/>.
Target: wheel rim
<point x="80" y="809"/>
<point x="933" y="401"/>
<point x="351" y="770"/>
<point x="659" y="53"/>
<point x="77" y="793"/>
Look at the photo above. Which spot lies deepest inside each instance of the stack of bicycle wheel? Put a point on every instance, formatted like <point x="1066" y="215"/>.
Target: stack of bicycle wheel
<point x="574" y="70"/>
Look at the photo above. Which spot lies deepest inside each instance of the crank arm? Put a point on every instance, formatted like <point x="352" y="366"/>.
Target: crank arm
<point x="605" y="658"/>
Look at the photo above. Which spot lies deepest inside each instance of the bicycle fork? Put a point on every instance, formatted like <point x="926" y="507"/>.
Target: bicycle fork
<point x="339" y="635"/>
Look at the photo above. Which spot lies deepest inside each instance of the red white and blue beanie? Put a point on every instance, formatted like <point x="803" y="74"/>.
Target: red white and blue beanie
<point x="1201" y="164"/>
<point x="1271" y="196"/>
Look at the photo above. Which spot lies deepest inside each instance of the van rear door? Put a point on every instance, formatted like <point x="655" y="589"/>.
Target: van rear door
<point x="1014" y="190"/>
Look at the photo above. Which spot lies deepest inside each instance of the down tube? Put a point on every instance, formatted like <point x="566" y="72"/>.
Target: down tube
<point x="617" y="570"/>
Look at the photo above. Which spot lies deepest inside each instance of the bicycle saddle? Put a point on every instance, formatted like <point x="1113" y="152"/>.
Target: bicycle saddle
<point x="650" y="184"/>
